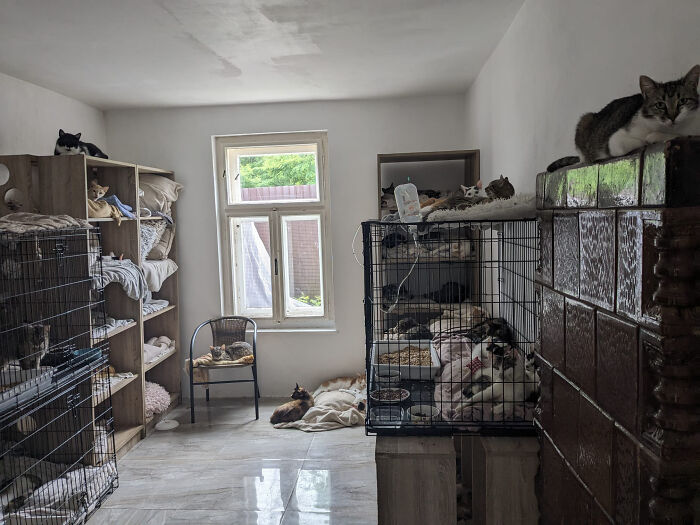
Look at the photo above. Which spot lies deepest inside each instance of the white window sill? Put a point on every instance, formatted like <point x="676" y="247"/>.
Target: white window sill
<point x="297" y="330"/>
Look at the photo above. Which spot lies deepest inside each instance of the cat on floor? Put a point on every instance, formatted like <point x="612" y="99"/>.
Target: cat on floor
<point x="356" y="382"/>
<point x="95" y="191"/>
<point x="661" y="111"/>
<point x="295" y="409"/>
<point x="69" y="144"/>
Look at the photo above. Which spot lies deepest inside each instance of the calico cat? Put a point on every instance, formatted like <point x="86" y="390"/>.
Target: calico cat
<point x="232" y="352"/>
<point x="468" y="196"/>
<point x="95" y="191"/>
<point x="388" y="201"/>
<point x="662" y="111"/>
<point x="69" y="144"/>
<point x="293" y="410"/>
<point x="30" y="343"/>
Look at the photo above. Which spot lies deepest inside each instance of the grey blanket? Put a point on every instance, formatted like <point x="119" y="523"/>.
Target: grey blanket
<point x="125" y="273"/>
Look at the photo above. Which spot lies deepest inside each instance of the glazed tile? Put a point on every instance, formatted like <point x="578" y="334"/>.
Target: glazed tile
<point x="358" y="516"/>
<point x="184" y="517"/>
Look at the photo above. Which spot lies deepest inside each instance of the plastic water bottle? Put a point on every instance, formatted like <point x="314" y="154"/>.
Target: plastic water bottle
<point x="406" y="196"/>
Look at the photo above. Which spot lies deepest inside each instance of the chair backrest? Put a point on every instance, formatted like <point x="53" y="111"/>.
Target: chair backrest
<point x="228" y="330"/>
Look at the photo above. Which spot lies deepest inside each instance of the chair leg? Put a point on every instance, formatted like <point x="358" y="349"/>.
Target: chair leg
<point x="256" y="393"/>
<point x="207" y="393"/>
<point x="191" y="400"/>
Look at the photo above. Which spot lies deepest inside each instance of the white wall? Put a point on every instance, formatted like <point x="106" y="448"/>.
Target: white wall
<point x="563" y="58"/>
<point x="180" y="139"/>
<point x="30" y="117"/>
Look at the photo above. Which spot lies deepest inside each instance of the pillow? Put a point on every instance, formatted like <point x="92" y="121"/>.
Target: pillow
<point x="162" y="248"/>
<point x="150" y="235"/>
<point x="158" y="192"/>
<point x="158" y="271"/>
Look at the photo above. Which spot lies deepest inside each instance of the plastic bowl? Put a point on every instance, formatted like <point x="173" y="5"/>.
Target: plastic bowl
<point x="423" y="413"/>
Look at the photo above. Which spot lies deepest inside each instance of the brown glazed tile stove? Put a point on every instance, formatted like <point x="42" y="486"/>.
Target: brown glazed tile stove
<point x="619" y="346"/>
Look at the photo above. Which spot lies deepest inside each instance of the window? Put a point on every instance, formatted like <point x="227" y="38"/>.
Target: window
<point x="274" y="224"/>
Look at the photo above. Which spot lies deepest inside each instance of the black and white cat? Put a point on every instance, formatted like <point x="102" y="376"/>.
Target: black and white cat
<point x="69" y="144"/>
<point x="662" y="111"/>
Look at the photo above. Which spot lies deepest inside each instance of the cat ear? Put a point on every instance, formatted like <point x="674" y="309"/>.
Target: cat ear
<point x="77" y="135"/>
<point x="647" y="85"/>
<point x="296" y="387"/>
<point x="479" y="184"/>
<point x="223" y="347"/>
<point x="692" y="77"/>
<point x="501" y="177"/>
<point x="61" y="132"/>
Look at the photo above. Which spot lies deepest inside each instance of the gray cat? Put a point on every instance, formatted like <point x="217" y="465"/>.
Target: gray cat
<point x="232" y="352"/>
<point x="28" y="344"/>
<point x="658" y="113"/>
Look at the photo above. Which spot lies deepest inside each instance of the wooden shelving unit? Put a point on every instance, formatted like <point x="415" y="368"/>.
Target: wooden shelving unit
<point x="58" y="185"/>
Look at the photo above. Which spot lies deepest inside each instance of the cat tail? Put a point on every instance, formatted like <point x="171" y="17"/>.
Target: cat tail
<point x="563" y="162"/>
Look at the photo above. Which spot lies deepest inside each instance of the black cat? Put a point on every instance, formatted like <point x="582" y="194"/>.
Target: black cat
<point x="69" y="144"/>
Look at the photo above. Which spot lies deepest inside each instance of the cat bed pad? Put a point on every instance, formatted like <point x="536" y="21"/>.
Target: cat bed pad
<point x="23" y="222"/>
<point x="520" y="206"/>
<point x="202" y="364"/>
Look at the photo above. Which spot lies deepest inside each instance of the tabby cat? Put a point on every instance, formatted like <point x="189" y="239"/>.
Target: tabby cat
<point x="232" y="352"/>
<point x="293" y="410"/>
<point x="662" y="111"/>
<point x="28" y="345"/>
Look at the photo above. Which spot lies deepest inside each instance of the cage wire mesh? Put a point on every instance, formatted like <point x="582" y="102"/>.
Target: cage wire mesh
<point x="56" y="428"/>
<point x="450" y="320"/>
<point x="58" y="458"/>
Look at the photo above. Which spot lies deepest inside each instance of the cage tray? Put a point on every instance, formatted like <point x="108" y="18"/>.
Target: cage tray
<point x="406" y="371"/>
<point x="28" y="384"/>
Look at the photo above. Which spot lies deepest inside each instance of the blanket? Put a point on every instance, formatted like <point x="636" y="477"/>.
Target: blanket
<point x="333" y="409"/>
<point x="123" y="272"/>
<point x="103" y="210"/>
<point x="23" y="222"/>
<point x="151" y="305"/>
<point x="520" y="206"/>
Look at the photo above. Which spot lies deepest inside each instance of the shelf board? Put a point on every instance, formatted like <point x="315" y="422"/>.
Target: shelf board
<point x="116" y="331"/>
<point x="97" y="162"/>
<point x="154" y="171"/>
<point x="124" y="435"/>
<point x="159" y="312"/>
<point x="115" y="389"/>
<point x="149" y="366"/>
<point x="152" y="218"/>
<point x="107" y="219"/>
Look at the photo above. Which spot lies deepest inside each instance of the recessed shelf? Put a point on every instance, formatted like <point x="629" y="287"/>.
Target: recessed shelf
<point x="97" y="162"/>
<point x="116" y="331"/>
<point x="124" y="435"/>
<point x="116" y="388"/>
<point x="159" y="312"/>
<point x="149" y="366"/>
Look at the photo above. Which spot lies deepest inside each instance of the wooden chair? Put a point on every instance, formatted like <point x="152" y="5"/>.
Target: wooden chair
<point x="226" y="330"/>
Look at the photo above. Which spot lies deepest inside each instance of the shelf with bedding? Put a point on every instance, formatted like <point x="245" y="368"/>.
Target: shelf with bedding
<point x="153" y="364"/>
<point x="153" y="420"/>
<point x="117" y="331"/>
<point x="157" y="313"/>
<point x="100" y="395"/>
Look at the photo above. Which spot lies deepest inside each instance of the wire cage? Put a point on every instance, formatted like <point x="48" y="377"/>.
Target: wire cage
<point x="450" y="324"/>
<point x="57" y="454"/>
<point x="47" y="300"/>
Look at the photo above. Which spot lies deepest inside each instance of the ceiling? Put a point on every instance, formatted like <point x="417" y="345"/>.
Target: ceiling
<point x="136" y="53"/>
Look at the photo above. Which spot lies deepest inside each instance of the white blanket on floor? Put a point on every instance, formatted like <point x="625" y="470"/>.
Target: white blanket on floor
<point x="331" y="410"/>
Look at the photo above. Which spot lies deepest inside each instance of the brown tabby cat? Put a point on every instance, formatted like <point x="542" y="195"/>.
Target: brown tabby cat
<point x="293" y="410"/>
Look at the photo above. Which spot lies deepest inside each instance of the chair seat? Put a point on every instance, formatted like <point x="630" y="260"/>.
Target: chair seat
<point x="214" y="367"/>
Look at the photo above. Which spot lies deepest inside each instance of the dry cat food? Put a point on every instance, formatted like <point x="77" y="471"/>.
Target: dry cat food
<point x="389" y="394"/>
<point x="409" y="355"/>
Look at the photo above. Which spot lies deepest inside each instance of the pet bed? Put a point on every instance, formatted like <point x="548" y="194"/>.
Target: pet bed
<point x="520" y="206"/>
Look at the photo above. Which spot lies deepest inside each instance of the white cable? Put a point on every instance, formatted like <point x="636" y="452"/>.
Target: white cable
<point x="354" y="253"/>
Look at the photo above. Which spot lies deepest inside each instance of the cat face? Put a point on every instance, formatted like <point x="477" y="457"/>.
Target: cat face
<point x="217" y="352"/>
<point x="472" y="191"/>
<point x="67" y="143"/>
<point x="300" y="393"/>
<point x="96" y="191"/>
<point x="672" y="102"/>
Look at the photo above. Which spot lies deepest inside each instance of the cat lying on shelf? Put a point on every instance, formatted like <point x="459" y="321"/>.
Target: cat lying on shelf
<point x="69" y="144"/>
<point x="95" y="191"/>
<point x="295" y="409"/>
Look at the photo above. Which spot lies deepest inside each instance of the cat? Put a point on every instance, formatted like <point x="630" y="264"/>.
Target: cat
<point x="500" y="188"/>
<point x="30" y="343"/>
<point x="387" y="200"/>
<point x="95" y="191"/>
<point x="69" y="144"/>
<point x="357" y="382"/>
<point x="409" y="328"/>
<point x="661" y="111"/>
<point x="293" y="410"/>
<point x="232" y="352"/>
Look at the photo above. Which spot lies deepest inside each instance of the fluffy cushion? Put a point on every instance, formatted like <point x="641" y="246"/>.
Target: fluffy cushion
<point x="157" y="399"/>
<point x="150" y="235"/>
<point x="158" y="192"/>
<point x="158" y="271"/>
<point x="162" y="248"/>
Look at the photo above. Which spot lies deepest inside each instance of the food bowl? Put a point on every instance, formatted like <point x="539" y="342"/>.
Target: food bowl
<point x="423" y="413"/>
<point x="386" y="414"/>
<point x="388" y="378"/>
<point x="389" y="395"/>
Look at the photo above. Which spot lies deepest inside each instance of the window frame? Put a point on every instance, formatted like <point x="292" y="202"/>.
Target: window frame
<point x="274" y="211"/>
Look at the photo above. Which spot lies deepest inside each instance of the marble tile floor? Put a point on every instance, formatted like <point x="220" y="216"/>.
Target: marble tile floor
<point x="228" y="469"/>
